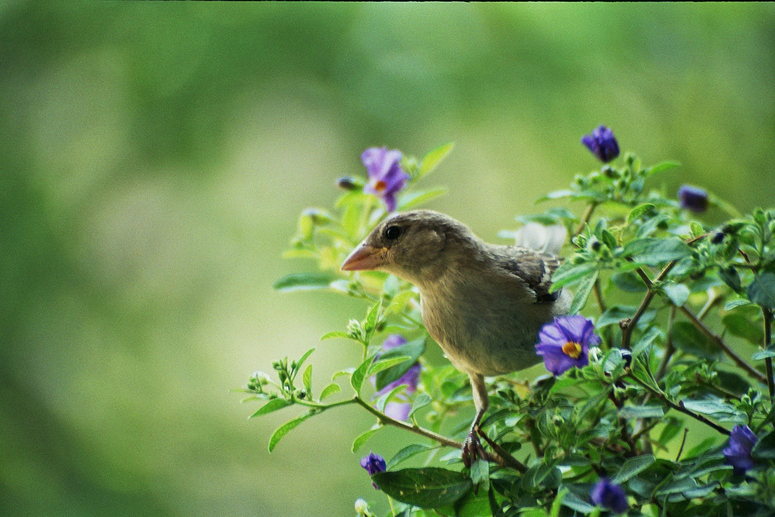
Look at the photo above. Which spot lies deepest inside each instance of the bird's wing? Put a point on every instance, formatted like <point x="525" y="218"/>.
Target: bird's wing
<point x="532" y="268"/>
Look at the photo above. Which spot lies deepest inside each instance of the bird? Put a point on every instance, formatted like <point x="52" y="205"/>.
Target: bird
<point x="484" y="304"/>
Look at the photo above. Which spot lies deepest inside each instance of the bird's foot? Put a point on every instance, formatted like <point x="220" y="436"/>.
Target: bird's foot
<point x="472" y="448"/>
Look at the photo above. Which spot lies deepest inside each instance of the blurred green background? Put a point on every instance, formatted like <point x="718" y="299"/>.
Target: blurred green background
<point x="154" y="158"/>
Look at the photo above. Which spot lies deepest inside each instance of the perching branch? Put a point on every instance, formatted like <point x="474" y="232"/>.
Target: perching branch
<point x="501" y="457"/>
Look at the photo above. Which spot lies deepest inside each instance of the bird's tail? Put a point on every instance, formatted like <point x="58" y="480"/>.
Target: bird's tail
<point x="546" y="239"/>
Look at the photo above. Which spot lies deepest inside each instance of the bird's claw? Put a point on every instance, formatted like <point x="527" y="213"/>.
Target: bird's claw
<point x="472" y="448"/>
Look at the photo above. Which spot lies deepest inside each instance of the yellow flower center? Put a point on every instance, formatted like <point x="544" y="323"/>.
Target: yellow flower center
<point x="571" y="349"/>
<point x="379" y="185"/>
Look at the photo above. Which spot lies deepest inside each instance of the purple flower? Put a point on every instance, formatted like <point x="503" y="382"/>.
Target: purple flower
<point x="602" y="143"/>
<point x="610" y="496"/>
<point x="374" y="464"/>
<point x="399" y="410"/>
<point x="386" y="177"/>
<point x="738" y="452"/>
<point x="693" y="198"/>
<point x="565" y="343"/>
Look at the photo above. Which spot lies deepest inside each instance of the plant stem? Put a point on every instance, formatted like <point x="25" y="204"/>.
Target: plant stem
<point x="669" y="347"/>
<point x="585" y="217"/>
<point x="628" y="325"/>
<point x="500" y="456"/>
<point x="679" y="407"/>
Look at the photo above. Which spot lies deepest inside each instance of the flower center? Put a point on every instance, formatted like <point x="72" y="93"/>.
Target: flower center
<point x="571" y="349"/>
<point x="379" y="185"/>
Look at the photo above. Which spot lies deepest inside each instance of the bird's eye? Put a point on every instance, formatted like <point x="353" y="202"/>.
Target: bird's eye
<point x="393" y="232"/>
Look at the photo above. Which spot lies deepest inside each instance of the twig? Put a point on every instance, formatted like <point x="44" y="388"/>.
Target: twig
<point x="383" y="418"/>
<point x="680" y="406"/>
<point x="683" y="442"/>
<point x="669" y="346"/>
<point x="504" y="460"/>
<point x="585" y="217"/>
<point x="628" y="324"/>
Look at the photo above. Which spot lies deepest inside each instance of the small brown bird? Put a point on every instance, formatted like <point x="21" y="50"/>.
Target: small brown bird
<point x="483" y="303"/>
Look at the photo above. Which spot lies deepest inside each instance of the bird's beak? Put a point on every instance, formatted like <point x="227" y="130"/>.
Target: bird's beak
<point x="364" y="257"/>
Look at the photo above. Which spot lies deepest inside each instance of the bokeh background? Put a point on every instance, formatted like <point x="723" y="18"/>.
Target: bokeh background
<point x="154" y="158"/>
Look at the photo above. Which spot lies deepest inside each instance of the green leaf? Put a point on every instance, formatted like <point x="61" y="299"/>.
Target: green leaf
<point x="716" y="408"/>
<point x="763" y="354"/>
<point x="573" y="502"/>
<point x="641" y="412"/>
<point x="364" y="437"/>
<point x="765" y="447"/>
<point x="632" y="467"/>
<point x="358" y="376"/>
<point x="433" y="158"/>
<point x="303" y="281"/>
<point x="734" y="304"/>
<point x="638" y="211"/>
<point x="384" y="363"/>
<point x="583" y="292"/>
<point x="304" y="358"/>
<point x="337" y="334"/>
<point x="740" y="326"/>
<point x="678" y="293"/>
<point x="407" y="452"/>
<point x="271" y="406"/>
<point x="629" y="282"/>
<point x="569" y="273"/>
<point x="372" y="318"/>
<point x="307" y="378"/>
<point x="419" y="402"/>
<point x="687" y="338"/>
<point x="557" y="194"/>
<point x="413" y="199"/>
<point x="653" y="252"/>
<point x="730" y="277"/>
<point x="762" y="290"/>
<point x="661" y="167"/>
<point x="329" y="390"/>
<point x="286" y="428"/>
<point x="427" y="487"/>
<point x="480" y="473"/>
<point x="351" y="220"/>
<point x="645" y="340"/>
<point x="411" y="351"/>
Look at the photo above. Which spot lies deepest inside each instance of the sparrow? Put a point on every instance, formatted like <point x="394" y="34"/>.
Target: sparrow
<point x="484" y="304"/>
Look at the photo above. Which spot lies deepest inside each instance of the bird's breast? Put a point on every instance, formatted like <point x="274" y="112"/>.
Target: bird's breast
<point x="486" y="331"/>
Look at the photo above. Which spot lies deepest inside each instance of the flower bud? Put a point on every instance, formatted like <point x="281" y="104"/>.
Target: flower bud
<point x="361" y="507"/>
<point x="349" y="183"/>
<point x="693" y="198"/>
<point x="602" y="144"/>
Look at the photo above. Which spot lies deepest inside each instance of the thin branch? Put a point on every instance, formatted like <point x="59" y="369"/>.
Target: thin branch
<point x="628" y="325"/>
<point x="683" y="442"/>
<point x="679" y="407"/>
<point x="501" y="457"/>
<point x="669" y="346"/>
<point x="384" y="419"/>
<point x="586" y="216"/>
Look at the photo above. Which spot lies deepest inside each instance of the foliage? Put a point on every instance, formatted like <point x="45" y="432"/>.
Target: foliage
<point x="682" y="356"/>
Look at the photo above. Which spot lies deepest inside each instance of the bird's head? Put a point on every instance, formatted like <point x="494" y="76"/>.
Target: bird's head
<point x="415" y="245"/>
